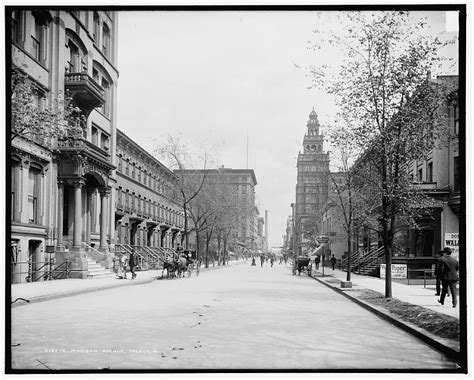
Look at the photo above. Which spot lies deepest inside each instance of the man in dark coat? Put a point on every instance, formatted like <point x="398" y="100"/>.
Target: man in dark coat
<point x="438" y="272"/>
<point x="132" y="263"/>
<point x="449" y="277"/>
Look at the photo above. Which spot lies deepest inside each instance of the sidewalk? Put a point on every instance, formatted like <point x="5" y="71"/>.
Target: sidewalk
<point x="47" y="290"/>
<point x="414" y="294"/>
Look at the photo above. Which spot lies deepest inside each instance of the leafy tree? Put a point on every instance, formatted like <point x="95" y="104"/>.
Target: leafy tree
<point x="60" y="118"/>
<point x="387" y="102"/>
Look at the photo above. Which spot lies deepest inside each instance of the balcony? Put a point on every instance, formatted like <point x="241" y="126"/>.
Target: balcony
<point x="87" y="93"/>
<point x="79" y="156"/>
<point x="80" y="145"/>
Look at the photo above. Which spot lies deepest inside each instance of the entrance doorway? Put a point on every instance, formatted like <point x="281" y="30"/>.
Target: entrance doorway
<point x="34" y="254"/>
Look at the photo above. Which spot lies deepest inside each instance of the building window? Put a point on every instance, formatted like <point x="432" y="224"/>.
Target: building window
<point x="104" y="141"/>
<point x="119" y="162"/>
<point x="17" y="27"/>
<point x="14" y="191"/>
<point x="95" y="76"/>
<point x="106" y="41"/>
<point x="420" y="175"/>
<point x="106" y="106"/>
<point x="95" y="136"/>
<point x="33" y="194"/>
<point x="96" y="32"/>
<point x="429" y="172"/>
<point x="75" y="62"/>
<point x="38" y="39"/>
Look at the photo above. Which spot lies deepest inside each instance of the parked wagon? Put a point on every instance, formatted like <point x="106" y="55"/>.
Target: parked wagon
<point x="301" y="263"/>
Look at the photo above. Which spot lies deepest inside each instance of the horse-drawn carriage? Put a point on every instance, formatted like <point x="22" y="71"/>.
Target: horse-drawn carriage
<point x="180" y="265"/>
<point x="301" y="263"/>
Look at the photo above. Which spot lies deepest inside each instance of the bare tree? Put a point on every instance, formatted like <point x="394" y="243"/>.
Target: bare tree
<point x="179" y="156"/>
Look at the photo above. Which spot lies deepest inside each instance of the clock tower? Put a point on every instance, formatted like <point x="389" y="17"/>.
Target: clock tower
<point x="312" y="179"/>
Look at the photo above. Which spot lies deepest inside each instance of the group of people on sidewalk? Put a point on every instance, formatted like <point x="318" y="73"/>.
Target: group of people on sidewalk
<point x="122" y="267"/>
<point x="332" y="260"/>
<point x="446" y="272"/>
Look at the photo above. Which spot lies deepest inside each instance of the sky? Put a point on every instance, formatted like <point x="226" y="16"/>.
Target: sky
<point x="220" y="78"/>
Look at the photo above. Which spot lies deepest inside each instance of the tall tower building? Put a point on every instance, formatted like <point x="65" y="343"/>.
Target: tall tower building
<point x="312" y="179"/>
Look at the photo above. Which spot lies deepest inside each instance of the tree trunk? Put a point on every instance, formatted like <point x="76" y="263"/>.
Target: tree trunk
<point x="197" y="245"/>
<point x="225" y="250"/>
<point x="219" y="248"/>
<point x="387" y="251"/>
<point x="207" y="250"/>
<point x="186" y="237"/>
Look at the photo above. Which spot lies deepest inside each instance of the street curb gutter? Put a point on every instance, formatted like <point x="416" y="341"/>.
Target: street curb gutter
<point x="406" y="326"/>
<point x="97" y="289"/>
<point x="83" y="291"/>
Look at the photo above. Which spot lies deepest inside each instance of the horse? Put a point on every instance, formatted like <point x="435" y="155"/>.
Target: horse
<point x="181" y="265"/>
<point x="170" y="266"/>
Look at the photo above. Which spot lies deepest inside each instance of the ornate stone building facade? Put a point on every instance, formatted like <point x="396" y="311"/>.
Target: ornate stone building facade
<point x="61" y="192"/>
<point x="146" y="213"/>
<point x="312" y="179"/>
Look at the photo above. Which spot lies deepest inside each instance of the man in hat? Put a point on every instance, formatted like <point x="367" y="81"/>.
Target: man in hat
<point x="449" y="276"/>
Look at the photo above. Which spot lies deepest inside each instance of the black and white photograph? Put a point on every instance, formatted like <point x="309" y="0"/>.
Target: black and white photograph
<point x="208" y="189"/>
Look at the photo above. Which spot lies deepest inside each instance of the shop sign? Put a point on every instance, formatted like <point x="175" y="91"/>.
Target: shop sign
<point x="398" y="271"/>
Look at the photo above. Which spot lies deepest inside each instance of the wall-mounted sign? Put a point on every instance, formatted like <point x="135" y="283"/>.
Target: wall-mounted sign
<point x="398" y="271"/>
<point x="451" y="240"/>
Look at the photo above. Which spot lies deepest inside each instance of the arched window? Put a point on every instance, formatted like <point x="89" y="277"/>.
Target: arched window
<point x="76" y="53"/>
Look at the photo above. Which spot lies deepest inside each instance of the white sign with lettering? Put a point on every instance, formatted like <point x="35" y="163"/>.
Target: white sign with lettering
<point x="398" y="271"/>
<point x="451" y="240"/>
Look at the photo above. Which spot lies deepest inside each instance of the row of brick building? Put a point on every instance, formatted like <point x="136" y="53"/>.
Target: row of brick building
<point x="75" y="203"/>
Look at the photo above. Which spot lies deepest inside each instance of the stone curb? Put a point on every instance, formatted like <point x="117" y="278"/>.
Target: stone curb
<point x="443" y="345"/>
<point x="53" y="296"/>
<point x="83" y="291"/>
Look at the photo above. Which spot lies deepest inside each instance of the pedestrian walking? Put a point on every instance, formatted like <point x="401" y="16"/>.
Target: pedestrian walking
<point x="438" y="272"/>
<point x="271" y="261"/>
<point x="122" y="267"/>
<point x="132" y="263"/>
<point x="333" y="262"/>
<point x="317" y="260"/>
<point x="262" y="259"/>
<point x="449" y="277"/>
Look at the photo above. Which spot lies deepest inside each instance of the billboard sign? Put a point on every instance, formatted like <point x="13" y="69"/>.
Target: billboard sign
<point x="398" y="271"/>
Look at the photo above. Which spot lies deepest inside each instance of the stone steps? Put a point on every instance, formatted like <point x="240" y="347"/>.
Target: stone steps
<point x="96" y="270"/>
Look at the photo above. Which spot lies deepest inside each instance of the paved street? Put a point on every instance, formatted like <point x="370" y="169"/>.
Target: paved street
<point x="241" y="317"/>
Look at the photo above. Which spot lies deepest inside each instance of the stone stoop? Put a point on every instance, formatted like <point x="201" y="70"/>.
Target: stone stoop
<point x="97" y="270"/>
